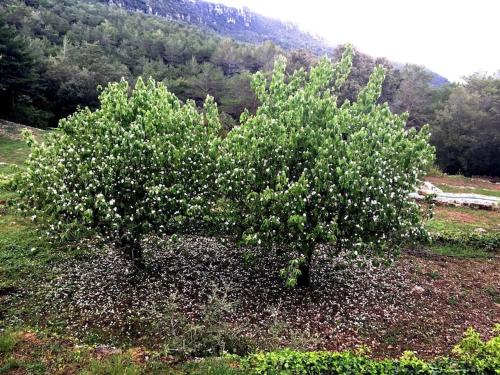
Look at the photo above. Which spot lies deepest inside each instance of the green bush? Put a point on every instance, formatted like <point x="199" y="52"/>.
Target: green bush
<point x="473" y="356"/>
<point x="142" y="162"/>
<point x="304" y="170"/>
<point x="489" y="241"/>
<point x="300" y="172"/>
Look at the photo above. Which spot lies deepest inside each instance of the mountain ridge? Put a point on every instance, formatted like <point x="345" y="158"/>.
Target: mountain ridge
<point x="240" y="24"/>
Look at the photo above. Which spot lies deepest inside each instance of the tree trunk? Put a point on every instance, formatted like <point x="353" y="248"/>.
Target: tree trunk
<point x="9" y="108"/>
<point x="132" y="249"/>
<point x="304" y="279"/>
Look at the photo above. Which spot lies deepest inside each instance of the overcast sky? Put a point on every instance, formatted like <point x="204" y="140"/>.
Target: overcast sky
<point x="452" y="38"/>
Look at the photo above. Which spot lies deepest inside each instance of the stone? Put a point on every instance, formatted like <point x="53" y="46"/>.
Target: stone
<point x="417" y="289"/>
<point x="427" y="188"/>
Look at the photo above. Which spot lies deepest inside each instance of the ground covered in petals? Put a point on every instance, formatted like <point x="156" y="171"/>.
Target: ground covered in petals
<point x="202" y="286"/>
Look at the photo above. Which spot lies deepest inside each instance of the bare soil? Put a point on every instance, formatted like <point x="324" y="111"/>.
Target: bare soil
<point x="459" y="181"/>
<point x="12" y="130"/>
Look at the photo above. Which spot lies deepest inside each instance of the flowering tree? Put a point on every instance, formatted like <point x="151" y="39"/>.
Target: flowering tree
<point x="301" y="171"/>
<point x="304" y="170"/>
<point x="140" y="163"/>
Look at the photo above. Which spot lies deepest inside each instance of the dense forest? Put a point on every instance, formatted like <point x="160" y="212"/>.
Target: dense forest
<point x="56" y="55"/>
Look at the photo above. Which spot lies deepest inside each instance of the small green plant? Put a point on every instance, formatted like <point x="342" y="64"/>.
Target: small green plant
<point x="114" y="365"/>
<point x="8" y="341"/>
<point x="214" y="366"/>
<point x="473" y="356"/>
<point x="434" y="275"/>
<point x="453" y="300"/>
<point x="248" y="259"/>
<point x="209" y="336"/>
<point x="493" y="293"/>
<point x="434" y="171"/>
<point x="9" y="365"/>
<point x="391" y="337"/>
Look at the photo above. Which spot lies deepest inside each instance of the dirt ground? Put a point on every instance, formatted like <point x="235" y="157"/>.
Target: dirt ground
<point x="460" y="181"/>
<point x="11" y="130"/>
<point x="454" y="294"/>
<point x="422" y="302"/>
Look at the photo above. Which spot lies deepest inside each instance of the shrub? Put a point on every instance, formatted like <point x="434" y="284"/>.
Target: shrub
<point x="473" y="357"/>
<point x="489" y="241"/>
<point x="300" y="172"/>
<point x="477" y="356"/>
<point x="8" y="341"/>
<point x="140" y="163"/>
<point x="304" y="170"/>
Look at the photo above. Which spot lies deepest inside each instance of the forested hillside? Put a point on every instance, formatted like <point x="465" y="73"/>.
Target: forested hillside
<point x="237" y="23"/>
<point x="62" y="51"/>
<point x="56" y="55"/>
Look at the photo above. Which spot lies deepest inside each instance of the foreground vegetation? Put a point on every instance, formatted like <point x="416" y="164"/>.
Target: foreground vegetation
<point x="39" y="353"/>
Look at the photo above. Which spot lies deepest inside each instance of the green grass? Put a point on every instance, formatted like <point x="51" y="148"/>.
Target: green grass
<point x="22" y="250"/>
<point x="8" y="341"/>
<point x="463" y="190"/>
<point x="456" y="232"/>
<point x="12" y="155"/>
<point x="115" y="365"/>
<point x="458" y="180"/>
<point x="42" y="353"/>
<point x="464" y="219"/>
<point x="459" y="251"/>
<point x="13" y="151"/>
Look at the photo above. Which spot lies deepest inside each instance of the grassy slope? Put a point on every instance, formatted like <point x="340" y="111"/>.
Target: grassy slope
<point x="455" y="189"/>
<point x="461" y="184"/>
<point x="464" y="219"/>
<point x="12" y="151"/>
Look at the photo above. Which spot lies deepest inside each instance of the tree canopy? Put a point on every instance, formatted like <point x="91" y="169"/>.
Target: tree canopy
<point x="466" y="130"/>
<point x="305" y="170"/>
<point x="138" y="164"/>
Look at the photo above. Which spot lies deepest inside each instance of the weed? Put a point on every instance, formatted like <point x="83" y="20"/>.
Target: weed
<point x="8" y="341"/>
<point x="213" y="367"/>
<point x="391" y="336"/>
<point x="459" y="251"/>
<point x="9" y="365"/>
<point x="114" y="365"/>
<point x="453" y="300"/>
<point x="493" y="293"/>
<point x="434" y="275"/>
